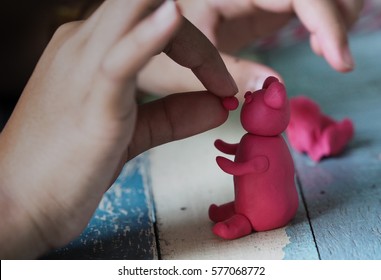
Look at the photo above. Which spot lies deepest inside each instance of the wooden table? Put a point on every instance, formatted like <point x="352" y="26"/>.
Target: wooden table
<point x="157" y="209"/>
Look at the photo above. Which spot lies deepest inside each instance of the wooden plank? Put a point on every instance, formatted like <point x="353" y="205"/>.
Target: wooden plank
<point x="186" y="180"/>
<point x="123" y="225"/>
<point x="343" y="194"/>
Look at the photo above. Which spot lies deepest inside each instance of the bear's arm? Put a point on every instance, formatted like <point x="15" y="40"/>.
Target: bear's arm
<point x="226" y="148"/>
<point x="258" y="164"/>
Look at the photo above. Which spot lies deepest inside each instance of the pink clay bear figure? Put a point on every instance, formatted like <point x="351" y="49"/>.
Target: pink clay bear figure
<point x="312" y="132"/>
<point x="265" y="193"/>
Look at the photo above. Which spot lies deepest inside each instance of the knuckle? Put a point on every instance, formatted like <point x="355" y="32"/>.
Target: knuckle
<point x="66" y="29"/>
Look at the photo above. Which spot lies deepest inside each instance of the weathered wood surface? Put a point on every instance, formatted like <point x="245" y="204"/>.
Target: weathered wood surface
<point x="343" y="194"/>
<point x="123" y="225"/>
<point x="186" y="180"/>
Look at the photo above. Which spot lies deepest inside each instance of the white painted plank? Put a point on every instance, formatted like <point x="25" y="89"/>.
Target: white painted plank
<point x="186" y="180"/>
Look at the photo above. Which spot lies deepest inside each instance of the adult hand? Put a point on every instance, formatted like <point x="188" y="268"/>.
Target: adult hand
<point x="232" y="25"/>
<point x="77" y="122"/>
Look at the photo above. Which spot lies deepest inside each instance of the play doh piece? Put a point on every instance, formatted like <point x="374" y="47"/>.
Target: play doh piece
<point x="316" y="134"/>
<point x="265" y="193"/>
<point x="230" y="103"/>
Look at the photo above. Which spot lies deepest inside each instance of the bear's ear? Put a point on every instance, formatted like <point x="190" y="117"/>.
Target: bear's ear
<point x="275" y="96"/>
<point x="269" y="80"/>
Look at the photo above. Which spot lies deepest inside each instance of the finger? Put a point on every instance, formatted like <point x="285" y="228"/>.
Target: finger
<point x="248" y="74"/>
<point x="112" y="20"/>
<point x="175" y="117"/>
<point x="315" y="45"/>
<point x="124" y="59"/>
<point x="90" y="23"/>
<point x="324" y="22"/>
<point x="327" y="25"/>
<point x="351" y="10"/>
<point x="147" y="39"/>
<point x="190" y="48"/>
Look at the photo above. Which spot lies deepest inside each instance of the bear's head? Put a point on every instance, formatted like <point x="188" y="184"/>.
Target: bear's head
<point x="266" y="112"/>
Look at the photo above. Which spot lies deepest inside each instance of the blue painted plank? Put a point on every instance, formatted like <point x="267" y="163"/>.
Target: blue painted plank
<point x="301" y="244"/>
<point x="342" y="194"/>
<point x="123" y="225"/>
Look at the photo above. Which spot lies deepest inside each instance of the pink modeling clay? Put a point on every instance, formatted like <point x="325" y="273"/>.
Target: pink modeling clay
<point x="230" y="103"/>
<point x="312" y="132"/>
<point x="263" y="169"/>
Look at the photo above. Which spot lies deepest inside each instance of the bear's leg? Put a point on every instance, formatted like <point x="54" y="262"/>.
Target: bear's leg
<point x="222" y="212"/>
<point x="235" y="227"/>
<point x="339" y="135"/>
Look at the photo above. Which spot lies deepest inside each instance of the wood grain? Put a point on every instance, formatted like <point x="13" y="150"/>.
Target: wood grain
<point x="342" y="194"/>
<point x="186" y="180"/>
<point x="123" y="225"/>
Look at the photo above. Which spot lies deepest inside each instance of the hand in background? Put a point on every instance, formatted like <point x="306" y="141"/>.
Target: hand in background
<point x="233" y="25"/>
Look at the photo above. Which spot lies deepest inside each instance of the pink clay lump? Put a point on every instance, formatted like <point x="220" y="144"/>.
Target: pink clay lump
<point x="263" y="170"/>
<point x="312" y="132"/>
<point x="230" y="103"/>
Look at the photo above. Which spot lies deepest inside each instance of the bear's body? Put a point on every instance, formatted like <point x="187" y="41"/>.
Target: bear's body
<point x="265" y="193"/>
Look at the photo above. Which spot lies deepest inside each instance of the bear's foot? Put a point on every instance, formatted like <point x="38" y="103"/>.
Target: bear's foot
<point x="222" y="212"/>
<point x="235" y="227"/>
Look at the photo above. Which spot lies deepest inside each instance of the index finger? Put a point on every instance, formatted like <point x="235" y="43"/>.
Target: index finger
<point x="326" y="21"/>
<point x="192" y="49"/>
<point x="328" y="31"/>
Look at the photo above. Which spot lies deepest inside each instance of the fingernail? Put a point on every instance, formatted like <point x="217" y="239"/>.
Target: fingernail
<point x="347" y="58"/>
<point x="233" y="83"/>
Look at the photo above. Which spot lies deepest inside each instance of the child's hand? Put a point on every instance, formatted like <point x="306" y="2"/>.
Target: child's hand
<point x="232" y="25"/>
<point x="77" y="121"/>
